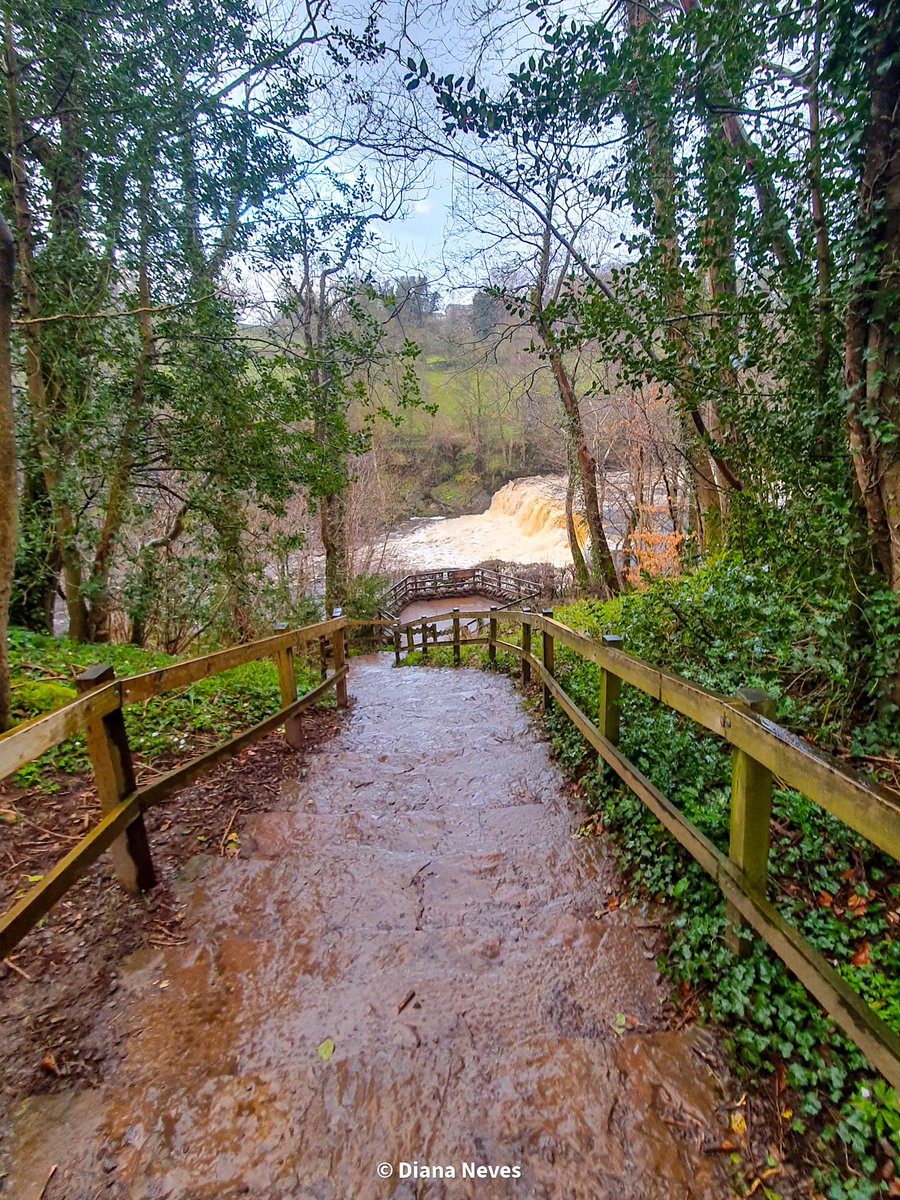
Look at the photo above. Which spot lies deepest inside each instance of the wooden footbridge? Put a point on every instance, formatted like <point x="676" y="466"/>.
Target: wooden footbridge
<point x="761" y="750"/>
<point x="451" y="582"/>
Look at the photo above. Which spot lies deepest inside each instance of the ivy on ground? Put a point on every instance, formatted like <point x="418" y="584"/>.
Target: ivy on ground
<point x="727" y="625"/>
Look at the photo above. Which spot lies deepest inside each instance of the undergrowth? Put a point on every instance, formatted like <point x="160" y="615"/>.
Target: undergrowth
<point x="724" y="626"/>
<point x="43" y="672"/>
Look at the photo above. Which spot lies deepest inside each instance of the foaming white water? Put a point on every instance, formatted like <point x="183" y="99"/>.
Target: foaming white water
<point x="525" y="523"/>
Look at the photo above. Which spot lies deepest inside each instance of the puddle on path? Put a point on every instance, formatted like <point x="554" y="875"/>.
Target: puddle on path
<point x="420" y="901"/>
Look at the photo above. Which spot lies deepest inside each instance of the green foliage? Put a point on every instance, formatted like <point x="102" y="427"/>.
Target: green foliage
<point x="365" y="596"/>
<point x="731" y="624"/>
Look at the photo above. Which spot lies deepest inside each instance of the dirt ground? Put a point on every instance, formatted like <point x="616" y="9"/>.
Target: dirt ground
<point x="66" y="971"/>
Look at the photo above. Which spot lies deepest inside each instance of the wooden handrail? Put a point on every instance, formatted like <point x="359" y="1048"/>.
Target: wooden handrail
<point x="98" y="715"/>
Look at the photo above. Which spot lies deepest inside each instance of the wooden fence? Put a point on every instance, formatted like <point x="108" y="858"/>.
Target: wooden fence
<point x="762" y="750"/>
<point x="98" y="714"/>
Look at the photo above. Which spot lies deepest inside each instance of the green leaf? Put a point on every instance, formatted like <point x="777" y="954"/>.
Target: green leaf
<point x="326" y="1049"/>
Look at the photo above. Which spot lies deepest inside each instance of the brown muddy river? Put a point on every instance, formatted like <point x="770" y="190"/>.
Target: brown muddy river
<point x="405" y="966"/>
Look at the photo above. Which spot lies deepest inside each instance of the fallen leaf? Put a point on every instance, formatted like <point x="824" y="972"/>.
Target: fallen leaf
<point x="780" y="1077"/>
<point x="861" y="957"/>
<point x="825" y="899"/>
<point x="737" y="1123"/>
<point x="48" y="1062"/>
<point x="326" y="1049"/>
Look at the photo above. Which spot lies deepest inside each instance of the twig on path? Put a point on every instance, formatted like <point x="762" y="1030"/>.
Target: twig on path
<point x="8" y="962"/>
<point x="419" y="872"/>
<point x="43" y="1192"/>
<point x="237" y="809"/>
<point x="410" y="996"/>
<point x="67" y="837"/>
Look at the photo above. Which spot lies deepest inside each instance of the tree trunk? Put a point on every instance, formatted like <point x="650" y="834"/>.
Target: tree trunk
<point x="603" y="571"/>
<point x="63" y="519"/>
<point x="692" y="429"/>
<point x="333" y="522"/>
<point x="872" y="352"/>
<point x="8" y="481"/>
<point x="582" y="576"/>
<point x="119" y="486"/>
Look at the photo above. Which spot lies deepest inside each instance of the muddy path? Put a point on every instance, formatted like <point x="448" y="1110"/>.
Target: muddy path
<point x="405" y="965"/>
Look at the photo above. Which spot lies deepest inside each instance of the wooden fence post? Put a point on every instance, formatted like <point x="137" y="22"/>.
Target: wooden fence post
<point x="287" y="686"/>
<point x="410" y="639"/>
<point x="424" y="637"/>
<point x="396" y="645"/>
<point x="456" y="653"/>
<point x="751" y="812"/>
<point x="547" y="655"/>
<point x="110" y="754"/>
<point x="492" y="635"/>
<point x="526" y="649"/>
<point x="323" y="659"/>
<point x="608" y="699"/>
<point x="340" y="658"/>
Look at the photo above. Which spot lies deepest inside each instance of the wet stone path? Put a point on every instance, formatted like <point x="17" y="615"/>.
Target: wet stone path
<point x="418" y="900"/>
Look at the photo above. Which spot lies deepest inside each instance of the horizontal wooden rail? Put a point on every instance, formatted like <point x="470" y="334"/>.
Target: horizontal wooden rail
<point x="37" y="902"/>
<point x="98" y="714"/>
<point x="761" y="749"/>
<point x="31" y="739"/>
<point x="866" y="807"/>
<point x="138" y="688"/>
<point x="877" y="1041"/>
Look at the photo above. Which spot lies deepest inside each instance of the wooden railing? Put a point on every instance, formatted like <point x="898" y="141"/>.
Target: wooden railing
<point x="762" y="750"/>
<point x="444" y="584"/>
<point x="98" y="714"/>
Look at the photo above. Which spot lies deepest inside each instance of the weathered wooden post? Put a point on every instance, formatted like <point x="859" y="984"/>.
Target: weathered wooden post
<point x="287" y="686"/>
<point x="456" y="652"/>
<point x="492" y="635"/>
<point x="396" y="645"/>
<point x="526" y="649"/>
<point x="751" y="812"/>
<point x="110" y="754"/>
<point x="608" y="698"/>
<point x="424" y="637"/>
<point x="410" y="639"/>
<point x="547" y="655"/>
<point x="339" y="651"/>
<point x="323" y="659"/>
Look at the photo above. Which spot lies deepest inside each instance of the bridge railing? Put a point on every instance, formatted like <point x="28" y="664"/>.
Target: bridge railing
<point x="98" y="714"/>
<point x="452" y="581"/>
<point x="761" y="751"/>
